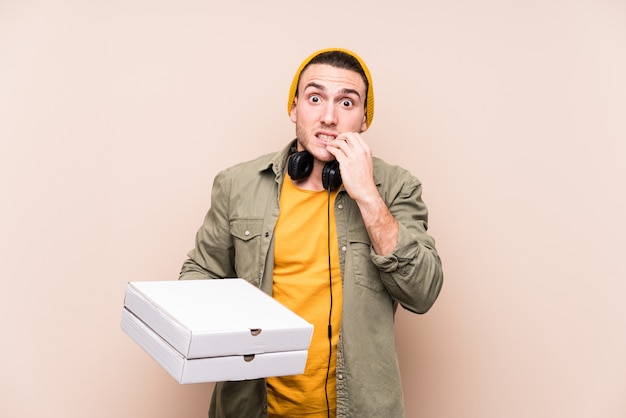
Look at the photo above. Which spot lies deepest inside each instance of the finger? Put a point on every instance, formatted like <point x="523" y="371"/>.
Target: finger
<point x="346" y="142"/>
<point x="351" y="138"/>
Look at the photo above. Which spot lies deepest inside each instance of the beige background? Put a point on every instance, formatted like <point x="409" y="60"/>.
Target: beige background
<point x="116" y="115"/>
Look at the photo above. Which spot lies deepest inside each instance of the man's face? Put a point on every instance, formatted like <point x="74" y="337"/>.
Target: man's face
<point x="330" y="101"/>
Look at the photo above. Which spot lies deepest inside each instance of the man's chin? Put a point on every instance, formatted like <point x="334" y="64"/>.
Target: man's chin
<point x="322" y="156"/>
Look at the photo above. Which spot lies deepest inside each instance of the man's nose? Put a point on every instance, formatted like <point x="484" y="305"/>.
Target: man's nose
<point x="329" y="114"/>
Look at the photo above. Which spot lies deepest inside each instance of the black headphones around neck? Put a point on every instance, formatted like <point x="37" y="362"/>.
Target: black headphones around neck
<point x="300" y="166"/>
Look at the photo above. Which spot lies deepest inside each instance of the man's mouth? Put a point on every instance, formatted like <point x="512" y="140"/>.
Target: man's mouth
<point x="326" y="137"/>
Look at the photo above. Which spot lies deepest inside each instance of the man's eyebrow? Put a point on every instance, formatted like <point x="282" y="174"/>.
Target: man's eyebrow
<point x="314" y="85"/>
<point x="351" y="91"/>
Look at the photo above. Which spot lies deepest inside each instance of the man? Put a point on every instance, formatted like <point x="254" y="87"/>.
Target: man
<point x="334" y="234"/>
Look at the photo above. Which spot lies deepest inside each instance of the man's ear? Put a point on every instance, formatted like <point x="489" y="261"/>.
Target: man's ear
<point x="293" y="115"/>
<point x="364" y="123"/>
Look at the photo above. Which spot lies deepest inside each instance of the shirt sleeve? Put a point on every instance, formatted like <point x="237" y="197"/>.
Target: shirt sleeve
<point x="412" y="273"/>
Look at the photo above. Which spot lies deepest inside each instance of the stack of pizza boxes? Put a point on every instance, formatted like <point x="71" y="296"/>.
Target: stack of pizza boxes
<point x="215" y="330"/>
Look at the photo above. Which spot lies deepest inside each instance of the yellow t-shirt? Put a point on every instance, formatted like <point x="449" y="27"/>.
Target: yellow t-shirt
<point x="302" y="283"/>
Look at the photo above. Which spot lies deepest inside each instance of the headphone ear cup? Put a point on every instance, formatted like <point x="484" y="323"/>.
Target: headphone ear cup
<point x="300" y="165"/>
<point x="331" y="176"/>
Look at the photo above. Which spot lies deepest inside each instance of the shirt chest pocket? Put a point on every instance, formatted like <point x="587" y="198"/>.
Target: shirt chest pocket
<point x="246" y="235"/>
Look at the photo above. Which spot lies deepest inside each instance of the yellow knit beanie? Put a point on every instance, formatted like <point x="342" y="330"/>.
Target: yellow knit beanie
<point x="370" y="89"/>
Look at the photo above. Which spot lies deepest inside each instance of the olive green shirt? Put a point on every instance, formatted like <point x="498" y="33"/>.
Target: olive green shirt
<point x="236" y="240"/>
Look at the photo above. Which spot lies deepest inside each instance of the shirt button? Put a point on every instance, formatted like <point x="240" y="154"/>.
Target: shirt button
<point x="340" y="376"/>
<point x="246" y="233"/>
<point x="340" y="206"/>
<point x="344" y="248"/>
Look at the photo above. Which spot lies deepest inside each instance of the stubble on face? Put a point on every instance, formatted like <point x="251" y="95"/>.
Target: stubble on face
<point x="311" y="144"/>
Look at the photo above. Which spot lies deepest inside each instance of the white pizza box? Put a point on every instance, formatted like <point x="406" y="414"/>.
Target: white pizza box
<point x="213" y="318"/>
<point x="211" y="369"/>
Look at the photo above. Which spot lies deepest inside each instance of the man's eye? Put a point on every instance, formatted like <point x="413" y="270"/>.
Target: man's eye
<point x="347" y="103"/>
<point x="314" y="99"/>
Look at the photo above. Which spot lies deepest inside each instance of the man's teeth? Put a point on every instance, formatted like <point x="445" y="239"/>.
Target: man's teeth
<point x="325" y="137"/>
